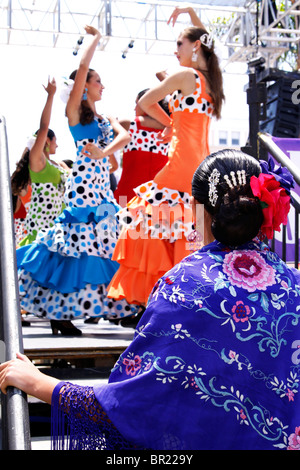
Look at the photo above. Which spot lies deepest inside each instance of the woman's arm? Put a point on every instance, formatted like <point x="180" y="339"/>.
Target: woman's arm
<point x="125" y="123"/>
<point x="183" y="80"/>
<point x="114" y="165"/>
<point x="37" y="159"/>
<point x="122" y="138"/>
<point x="194" y="18"/>
<point x="74" y="101"/>
<point x="22" y="374"/>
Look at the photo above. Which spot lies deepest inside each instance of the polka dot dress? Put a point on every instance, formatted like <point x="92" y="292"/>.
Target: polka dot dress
<point x="143" y="157"/>
<point x="64" y="275"/>
<point x="46" y="201"/>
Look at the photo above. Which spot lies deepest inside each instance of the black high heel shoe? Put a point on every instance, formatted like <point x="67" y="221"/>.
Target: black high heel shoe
<point x="132" y="321"/>
<point x="92" y="320"/>
<point x="66" y="328"/>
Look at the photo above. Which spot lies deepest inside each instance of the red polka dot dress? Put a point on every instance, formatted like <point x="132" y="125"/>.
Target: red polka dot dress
<point x="143" y="158"/>
<point x="158" y="220"/>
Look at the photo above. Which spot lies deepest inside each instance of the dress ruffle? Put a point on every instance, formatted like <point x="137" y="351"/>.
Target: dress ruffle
<point x="155" y="226"/>
<point x="162" y="213"/>
<point x="91" y="300"/>
<point x="95" y="239"/>
<point x="64" y="273"/>
<point x="89" y="213"/>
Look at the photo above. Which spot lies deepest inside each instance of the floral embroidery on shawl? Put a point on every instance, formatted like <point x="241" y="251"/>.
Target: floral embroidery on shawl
<point x="232" y="291"/>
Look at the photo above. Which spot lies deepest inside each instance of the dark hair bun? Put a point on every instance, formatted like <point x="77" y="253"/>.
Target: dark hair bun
<point x="238" y="219"/>
<point x="236" y="214"/>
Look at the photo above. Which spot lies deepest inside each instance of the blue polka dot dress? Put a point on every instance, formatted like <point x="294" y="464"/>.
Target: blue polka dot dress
<point x="65" y="272"/>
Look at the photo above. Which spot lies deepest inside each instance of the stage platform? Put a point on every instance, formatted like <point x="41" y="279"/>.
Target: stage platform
<point x="100" y="343"/>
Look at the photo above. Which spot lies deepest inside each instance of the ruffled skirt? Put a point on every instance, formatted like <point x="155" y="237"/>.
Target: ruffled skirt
<point x="156" y="225"/>
<point x="64" y="274"/>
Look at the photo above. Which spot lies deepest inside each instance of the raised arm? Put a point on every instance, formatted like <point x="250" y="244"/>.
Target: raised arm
<point x="193" y="16"/>
<point x="74" y="102"/>
<point x="183" y="80"/>
<point x="37" y="158"/>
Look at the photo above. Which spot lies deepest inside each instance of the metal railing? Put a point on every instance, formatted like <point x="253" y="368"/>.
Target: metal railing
<point x="14" y="406"/>
<point x="281" y="158"/>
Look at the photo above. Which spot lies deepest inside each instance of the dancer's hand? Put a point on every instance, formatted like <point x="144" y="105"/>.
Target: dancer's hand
<point x="24" y="375"/>
<point x="91" y="30"/>
<point x="164" y="136"/>
<point x="176" y="13"/>
<point x="92" y="151"/>
<point x="51" y="86"/>
<point x="193" y="16"/>
<point x="19" y="373"/>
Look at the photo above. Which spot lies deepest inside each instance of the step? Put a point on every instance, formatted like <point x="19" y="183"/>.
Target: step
<point x="100" y="344"/>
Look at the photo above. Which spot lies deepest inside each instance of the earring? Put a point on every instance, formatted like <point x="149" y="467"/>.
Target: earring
<point x="194" y="241"/>
<point x="194" y="56"/>
<point x="84" y="96"/>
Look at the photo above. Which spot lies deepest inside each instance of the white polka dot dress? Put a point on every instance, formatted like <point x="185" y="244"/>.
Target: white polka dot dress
<point x="65" y="273"/>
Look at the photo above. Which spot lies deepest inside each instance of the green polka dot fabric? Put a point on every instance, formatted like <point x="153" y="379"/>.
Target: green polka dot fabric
<point x="46" y="200"/>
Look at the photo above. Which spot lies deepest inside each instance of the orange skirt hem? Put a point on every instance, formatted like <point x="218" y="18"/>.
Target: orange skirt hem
<point x="142" y="263"/>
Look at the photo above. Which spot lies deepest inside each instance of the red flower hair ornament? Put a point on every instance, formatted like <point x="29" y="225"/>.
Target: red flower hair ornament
<point x="274" y="198"/>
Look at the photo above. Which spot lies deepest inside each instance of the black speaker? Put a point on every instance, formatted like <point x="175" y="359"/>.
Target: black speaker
<point x="282" y="116"/>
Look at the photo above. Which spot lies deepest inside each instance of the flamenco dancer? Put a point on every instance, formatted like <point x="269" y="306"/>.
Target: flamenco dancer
<point x="158" y="220"/>
<point x="37" y="179"/>
<point x="64" y="274"/>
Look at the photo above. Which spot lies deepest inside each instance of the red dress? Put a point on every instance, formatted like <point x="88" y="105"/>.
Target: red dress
<point x="143" y="158"/>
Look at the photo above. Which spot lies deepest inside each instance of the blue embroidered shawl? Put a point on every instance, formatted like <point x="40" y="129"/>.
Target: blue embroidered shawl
<point x="215" y="359"/>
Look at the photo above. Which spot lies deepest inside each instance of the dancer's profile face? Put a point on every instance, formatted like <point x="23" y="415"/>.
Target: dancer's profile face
<point x="184" y="51"/>
<point x="95" y="87"/>
<point x="53" y="146"/>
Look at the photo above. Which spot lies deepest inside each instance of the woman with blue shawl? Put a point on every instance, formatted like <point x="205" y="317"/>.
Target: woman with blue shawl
<point x="214" y="363"/>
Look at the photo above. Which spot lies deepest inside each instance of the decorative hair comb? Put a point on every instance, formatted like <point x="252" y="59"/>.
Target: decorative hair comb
<point x="213" y="181"/>
<point x="241" y="174"/>
<point x="207" y="40"/>
<point x="237" y="179"/>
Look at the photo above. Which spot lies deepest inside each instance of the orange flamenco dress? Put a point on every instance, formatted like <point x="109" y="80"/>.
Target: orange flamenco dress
<point x="158" y="220"/>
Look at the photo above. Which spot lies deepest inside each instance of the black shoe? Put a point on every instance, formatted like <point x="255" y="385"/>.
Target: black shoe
<point x="115" y="322"/>
<point x="132" y="321"/>
<point x="92" y="320"/>
<point x="66" y="328"/>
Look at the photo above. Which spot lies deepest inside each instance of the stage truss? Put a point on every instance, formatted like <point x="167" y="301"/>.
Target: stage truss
<point x="245" y="29"/>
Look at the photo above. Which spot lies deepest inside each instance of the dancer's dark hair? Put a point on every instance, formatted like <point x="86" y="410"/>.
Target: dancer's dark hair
<point x="86" y="114"/>
<point x="213" y="73"/>
<point x="163" y="103"/>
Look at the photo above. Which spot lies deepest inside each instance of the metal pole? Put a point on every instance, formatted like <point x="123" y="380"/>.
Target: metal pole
<point x="15" y="416"/>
